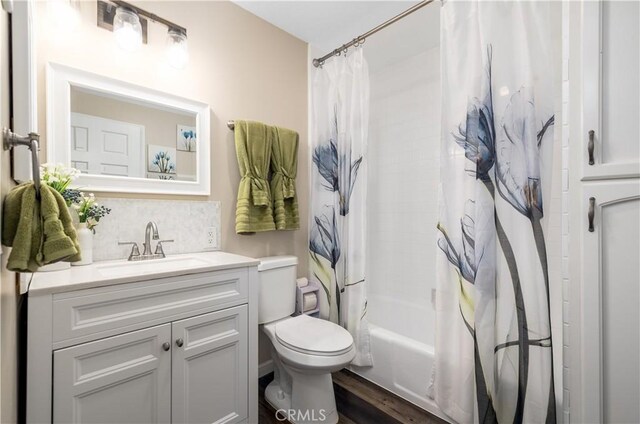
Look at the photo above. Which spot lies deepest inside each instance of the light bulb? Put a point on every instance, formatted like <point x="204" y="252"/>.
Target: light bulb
<point x="177" y="51"/>
<point x="64" y="17"/>
<point x="127" y="29"/>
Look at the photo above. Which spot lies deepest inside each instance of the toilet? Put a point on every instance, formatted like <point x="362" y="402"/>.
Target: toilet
<point x="305" y="350"/>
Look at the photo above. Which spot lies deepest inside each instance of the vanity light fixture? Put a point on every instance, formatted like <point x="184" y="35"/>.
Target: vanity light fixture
<point x="129" y="24"/>
<point x="127" y="29"/>
<point x="63" y="15"/>
<point x="177" y="51"/>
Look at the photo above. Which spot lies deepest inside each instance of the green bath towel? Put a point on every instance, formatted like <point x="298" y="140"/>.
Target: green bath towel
<point x="39" y="231"/>
<point x="284" y="168"/>
<point x="254" y="211"/>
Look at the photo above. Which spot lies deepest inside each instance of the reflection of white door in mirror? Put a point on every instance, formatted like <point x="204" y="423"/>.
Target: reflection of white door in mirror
<point x="102" y="146"/>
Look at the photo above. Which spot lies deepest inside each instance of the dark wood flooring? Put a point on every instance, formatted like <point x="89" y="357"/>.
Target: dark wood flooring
<point x="359" y="402"/>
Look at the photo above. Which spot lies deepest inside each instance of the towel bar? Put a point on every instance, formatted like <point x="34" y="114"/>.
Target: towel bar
<point x="11" y="139"/>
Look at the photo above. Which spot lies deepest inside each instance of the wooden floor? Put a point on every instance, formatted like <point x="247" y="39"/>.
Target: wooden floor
<point x="359" y="402"/>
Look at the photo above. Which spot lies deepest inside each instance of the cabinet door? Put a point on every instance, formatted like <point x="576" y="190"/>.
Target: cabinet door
<point x="121" y="379"/>
<point x="611" y="293"/>
<point x="209" y="371"/>
<point x="611" y="104"/>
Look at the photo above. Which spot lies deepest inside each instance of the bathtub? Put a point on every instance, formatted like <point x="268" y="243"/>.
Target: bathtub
<point x="402" y="366"/>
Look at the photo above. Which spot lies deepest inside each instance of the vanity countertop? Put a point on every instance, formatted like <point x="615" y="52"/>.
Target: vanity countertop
<point x="106" y="273"/>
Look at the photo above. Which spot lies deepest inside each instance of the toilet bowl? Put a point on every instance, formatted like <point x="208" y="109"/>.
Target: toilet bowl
<point x="305" y="350"/>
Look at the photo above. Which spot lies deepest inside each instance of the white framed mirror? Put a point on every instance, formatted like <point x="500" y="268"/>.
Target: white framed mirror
<point x="124" y="137"/>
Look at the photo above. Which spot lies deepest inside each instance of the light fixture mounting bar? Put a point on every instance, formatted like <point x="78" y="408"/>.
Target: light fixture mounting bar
<point x="106" y="14"/>
<point x="150" y="16"/>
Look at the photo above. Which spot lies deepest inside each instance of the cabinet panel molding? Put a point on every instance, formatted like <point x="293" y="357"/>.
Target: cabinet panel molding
<point x="95" y="312"/>
<point x="209" y="379"/>
<point x="120" y="379"/>
<point x="609" y="329"/>
<point x="610" y="86"/>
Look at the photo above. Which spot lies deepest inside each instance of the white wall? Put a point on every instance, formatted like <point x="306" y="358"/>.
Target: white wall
<point x="404" y="171"/>
<point x="553" y="212"/>
<point x="8" y="313"/>
<point x="240" y="65"/>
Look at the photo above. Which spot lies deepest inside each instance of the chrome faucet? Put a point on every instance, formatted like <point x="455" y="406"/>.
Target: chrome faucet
<point x="150" y="232"/>
<point x="151" y="226"/>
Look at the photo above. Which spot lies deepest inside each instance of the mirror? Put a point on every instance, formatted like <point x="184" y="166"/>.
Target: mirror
<point x="114" y="136"/>
<point x="126" y="138"/>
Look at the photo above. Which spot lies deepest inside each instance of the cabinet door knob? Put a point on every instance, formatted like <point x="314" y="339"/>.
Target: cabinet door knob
<point x="179" y="342"/>
<point x="166" y="346"/>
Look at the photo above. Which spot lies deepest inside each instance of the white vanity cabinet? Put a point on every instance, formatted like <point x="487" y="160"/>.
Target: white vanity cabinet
<point x="208" y="372"/>
<point x="107" y="345"/>
<point x="124" y="379"/>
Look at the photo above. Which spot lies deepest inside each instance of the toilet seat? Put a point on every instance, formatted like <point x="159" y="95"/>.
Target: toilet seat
<point x="313" y="336"/>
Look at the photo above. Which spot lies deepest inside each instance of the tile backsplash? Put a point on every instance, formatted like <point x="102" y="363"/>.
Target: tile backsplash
<point x="185" y="222"/>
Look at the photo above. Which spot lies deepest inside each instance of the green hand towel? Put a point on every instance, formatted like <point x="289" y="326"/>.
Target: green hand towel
<point x="37" y="238"/>
<point x="11" y="213"/>
<point x="22" y="228"/>
<point x="253" y="149"/>
<point x="284" y="168"/>
<point x="68" y="226"/>
<point x="57" y="245"/>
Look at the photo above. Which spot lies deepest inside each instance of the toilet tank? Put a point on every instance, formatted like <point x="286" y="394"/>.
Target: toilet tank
<point x="277" y="292"/>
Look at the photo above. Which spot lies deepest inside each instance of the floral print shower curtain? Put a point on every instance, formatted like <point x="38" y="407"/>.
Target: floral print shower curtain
<point x="493" y="332"/>
<point x="338" y="194"/>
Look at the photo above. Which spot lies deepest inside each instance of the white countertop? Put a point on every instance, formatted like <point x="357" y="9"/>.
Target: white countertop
<point x="106" y="273"/>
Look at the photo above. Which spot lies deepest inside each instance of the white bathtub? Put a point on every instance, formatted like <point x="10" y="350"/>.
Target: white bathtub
<point x="402" y="366"/>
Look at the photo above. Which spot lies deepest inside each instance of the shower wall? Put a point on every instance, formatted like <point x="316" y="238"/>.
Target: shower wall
<point x="402" y="205"/>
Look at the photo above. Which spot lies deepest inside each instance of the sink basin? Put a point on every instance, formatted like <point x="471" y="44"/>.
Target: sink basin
<point x="151" y="266"/>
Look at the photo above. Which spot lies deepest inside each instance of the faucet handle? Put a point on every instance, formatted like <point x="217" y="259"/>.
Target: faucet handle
<point x="135" y="251"/>
<point x="159" y="250"/>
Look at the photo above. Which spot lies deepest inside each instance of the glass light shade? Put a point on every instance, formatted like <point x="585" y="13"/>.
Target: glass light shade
<point x="64" y="17"/>
<point x="127" y="29"/>
<point x="177" y="50"/>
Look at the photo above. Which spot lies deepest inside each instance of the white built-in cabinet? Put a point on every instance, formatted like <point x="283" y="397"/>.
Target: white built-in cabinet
<point x="607" y="147"/>
<point x="179" y="349"/>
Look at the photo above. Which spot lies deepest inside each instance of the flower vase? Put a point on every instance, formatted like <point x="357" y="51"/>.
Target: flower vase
<point x="85" y="240"/>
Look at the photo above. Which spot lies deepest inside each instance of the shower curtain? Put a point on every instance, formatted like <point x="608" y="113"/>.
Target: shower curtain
<point x="338" y="194"/>
<point x="493" y="333"/>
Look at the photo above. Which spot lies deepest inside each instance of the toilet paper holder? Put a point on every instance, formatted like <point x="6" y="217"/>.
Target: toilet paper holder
<point x="300" y="292"/>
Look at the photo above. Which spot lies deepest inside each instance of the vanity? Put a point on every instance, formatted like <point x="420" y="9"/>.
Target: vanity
<point x="170" y="340"/>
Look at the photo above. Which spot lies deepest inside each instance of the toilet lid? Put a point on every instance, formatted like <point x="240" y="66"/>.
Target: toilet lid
<point x="313" y="335"/>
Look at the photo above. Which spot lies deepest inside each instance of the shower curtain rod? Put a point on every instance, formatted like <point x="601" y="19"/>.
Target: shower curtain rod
<point x="361" y="39"/>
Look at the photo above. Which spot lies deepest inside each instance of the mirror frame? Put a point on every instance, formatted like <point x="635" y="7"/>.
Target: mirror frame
<point x="61" y="78"/>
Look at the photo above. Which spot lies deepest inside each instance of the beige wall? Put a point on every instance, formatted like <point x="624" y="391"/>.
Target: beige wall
<point x="242" y="66"/>
<point x="8" y="318"/>
<point x="160" y="126"/>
